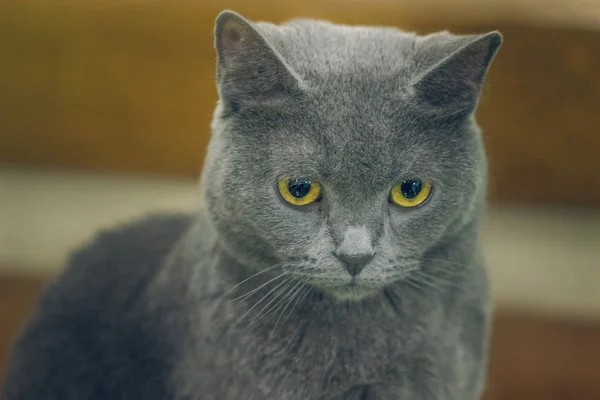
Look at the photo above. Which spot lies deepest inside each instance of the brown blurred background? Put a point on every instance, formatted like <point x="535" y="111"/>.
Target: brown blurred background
<point x="105" y="110"/>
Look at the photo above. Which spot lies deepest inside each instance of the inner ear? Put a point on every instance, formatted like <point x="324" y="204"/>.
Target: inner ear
<point x="230" y="31"/>
<point x="231" y="37"/>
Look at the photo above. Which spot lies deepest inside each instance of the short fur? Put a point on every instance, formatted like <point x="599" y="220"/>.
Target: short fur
<point x="247" y="299"/>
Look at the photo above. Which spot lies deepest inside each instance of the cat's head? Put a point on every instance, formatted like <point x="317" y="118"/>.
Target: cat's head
<point x="343" y="154"/>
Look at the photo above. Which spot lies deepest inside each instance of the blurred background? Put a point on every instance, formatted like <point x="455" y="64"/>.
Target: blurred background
<point x="104" y="115"/>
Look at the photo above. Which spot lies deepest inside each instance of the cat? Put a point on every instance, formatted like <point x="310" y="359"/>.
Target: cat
<point x="335" y="255"/>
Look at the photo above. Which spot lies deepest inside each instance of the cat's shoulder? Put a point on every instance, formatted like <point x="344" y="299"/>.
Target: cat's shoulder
<point x="87" y="334"/>
<point x="117" y="263"/>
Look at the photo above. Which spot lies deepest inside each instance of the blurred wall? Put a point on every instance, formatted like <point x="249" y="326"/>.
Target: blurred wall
<point x="129" y="85"/>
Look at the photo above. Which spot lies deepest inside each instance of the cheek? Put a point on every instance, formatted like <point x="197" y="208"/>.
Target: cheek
<point x="292" y="229"/>
<point x="312" y="243"/>
<point x="411" y="232"/>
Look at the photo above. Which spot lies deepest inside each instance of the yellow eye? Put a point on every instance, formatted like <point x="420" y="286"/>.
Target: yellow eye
<point x="299" y="191"/>
<point x="410" y="193"/>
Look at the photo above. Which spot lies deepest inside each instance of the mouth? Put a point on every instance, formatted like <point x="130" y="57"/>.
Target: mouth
<point x="351" y="291"/>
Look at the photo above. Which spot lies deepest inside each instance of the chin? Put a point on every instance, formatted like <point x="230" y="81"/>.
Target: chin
<point x="350" y="291"/>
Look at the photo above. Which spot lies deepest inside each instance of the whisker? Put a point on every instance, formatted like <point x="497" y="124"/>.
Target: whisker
<point x="258" y="288"/>
<point x="252" y="277"/>
<point x="422" y="279"/>
<point x="414" y="284"/>
<point x="300" y="274"/>
<point x="277" y="298"/>
<point x="455" y="112"/>
<point x="438" y="279"/>
<point x="444" y="262"/>
<point x="194" y="298"/>
<point x="261" y="300"/>
<point x="307" y="289"/>
<point x="294" y="292"/>
<point x="440" y="261"/>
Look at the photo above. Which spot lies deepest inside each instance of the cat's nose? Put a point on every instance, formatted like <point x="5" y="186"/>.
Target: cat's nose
<point x="355" y="250"/>
<point x="355" y="262"/>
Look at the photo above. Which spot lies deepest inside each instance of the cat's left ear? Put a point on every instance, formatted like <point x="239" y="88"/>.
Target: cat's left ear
<point x="452" y="85"/>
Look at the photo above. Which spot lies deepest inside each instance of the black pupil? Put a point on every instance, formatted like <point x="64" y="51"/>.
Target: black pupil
<point x="299" y="188"/>
<point x="410" y="189"/>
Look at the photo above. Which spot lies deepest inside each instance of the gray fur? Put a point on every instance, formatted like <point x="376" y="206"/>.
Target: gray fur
<point x="147" y="311"/>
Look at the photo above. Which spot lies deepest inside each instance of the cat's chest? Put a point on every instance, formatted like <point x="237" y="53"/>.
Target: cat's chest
<point x="314" y="360"/>
<point x="311" y="358"/>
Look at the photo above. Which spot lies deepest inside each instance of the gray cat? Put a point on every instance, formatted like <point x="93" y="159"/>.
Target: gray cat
<point x="336" y="255"/>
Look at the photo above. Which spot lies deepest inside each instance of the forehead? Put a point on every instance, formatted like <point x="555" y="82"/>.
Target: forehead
<point x="345" y="142"/>
<point x="356" y="123"/>
<point x="320" y="50"/>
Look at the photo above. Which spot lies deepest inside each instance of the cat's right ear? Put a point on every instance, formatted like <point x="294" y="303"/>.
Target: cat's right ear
<point x="249" y="69"/>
